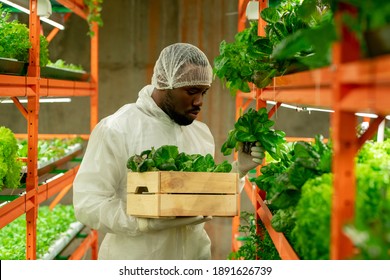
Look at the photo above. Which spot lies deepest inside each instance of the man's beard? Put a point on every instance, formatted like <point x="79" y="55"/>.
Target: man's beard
<point x="169" y="109"/>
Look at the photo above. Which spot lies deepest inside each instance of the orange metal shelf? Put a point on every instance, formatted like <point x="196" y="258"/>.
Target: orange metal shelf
<point x="21" y="205"/>
<point x="33" y="87"/>
<point x="284" y="248"/>
<point x="52" y="87"/>
<point x="77" y="6"/>
<point x="348" y="86"/>
<point x="369" y="92"/>
<point x="22" y="86"/>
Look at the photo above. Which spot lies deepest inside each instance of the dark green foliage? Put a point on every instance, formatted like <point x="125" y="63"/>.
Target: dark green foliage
<point x="284" y="219"/>
<point x="297" y="37"/>
<point x="254" y="246"/>
<point x="168" y="158"/>
<point x="255" y="126"/>
<point x="283" y="180"/>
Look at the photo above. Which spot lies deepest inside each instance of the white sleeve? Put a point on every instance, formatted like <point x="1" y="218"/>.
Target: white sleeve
<point x="99" y="188"/>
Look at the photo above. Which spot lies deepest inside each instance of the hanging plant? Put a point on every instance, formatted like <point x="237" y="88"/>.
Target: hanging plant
<point x="94" y="14"/>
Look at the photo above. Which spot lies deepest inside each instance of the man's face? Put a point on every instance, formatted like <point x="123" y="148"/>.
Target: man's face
<point x="183" y="104"/>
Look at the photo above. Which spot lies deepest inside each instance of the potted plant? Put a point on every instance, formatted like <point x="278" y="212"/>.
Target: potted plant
<point x="15" y="44"/>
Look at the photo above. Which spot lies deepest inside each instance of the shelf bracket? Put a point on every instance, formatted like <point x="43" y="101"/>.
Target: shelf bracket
<point x="20" y="107"/>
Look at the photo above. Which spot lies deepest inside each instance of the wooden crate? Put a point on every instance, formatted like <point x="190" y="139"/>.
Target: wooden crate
<point x="177" y="193"/>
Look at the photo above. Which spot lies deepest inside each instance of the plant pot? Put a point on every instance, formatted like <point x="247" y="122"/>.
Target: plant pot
<point x="63" y="74"/>
<point x="378" y="41"/>
<point x="12" y="66"/>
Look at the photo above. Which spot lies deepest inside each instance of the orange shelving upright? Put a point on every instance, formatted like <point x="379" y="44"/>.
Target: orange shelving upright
<point x="348" y="86"/>
<point x="33" y="87"/>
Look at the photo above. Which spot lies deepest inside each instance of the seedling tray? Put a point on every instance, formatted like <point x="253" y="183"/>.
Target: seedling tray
<point x="12" y="67"/>
<point x="63" y="74"/>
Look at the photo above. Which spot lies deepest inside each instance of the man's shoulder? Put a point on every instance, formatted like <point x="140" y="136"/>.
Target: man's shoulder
<point x="122" y="115"/>
<point x="201" y="128"/>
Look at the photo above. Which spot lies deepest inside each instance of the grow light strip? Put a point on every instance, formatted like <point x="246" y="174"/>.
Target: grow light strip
<point x="308" y="109"/>
<point x="64" y="239"/>
<point x="42" y="100"/>
<point x="27" y="11"/>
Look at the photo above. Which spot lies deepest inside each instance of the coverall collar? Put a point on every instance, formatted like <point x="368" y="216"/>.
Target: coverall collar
<point x="147" y="105"/>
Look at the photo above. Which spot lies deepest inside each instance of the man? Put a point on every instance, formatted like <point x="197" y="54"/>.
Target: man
<point x="164" y="114"/>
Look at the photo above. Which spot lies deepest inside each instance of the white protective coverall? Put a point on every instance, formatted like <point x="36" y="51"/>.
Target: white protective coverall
<point x="100" y="186"/>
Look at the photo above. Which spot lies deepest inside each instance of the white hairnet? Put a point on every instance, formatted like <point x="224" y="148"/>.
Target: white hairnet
<point x="181" y="65"/>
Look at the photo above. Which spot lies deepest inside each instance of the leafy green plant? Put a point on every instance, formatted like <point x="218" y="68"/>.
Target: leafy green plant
<point x="62" y="64"/>
<point x="236" y="62"/>
<point x="50" y="225"/>
<point x="369" y="231"/>
<point x="254" y="246"/>
<point x="283" y="180"/>
<point x="255" y="126"/>
<point x="257" y="59"/>
<point x="371" y="228"/>
<point x="14" y="38"/>
<point x="309" y="45"/>
<point x="15" y="41"/>
<point x="168" y="158"/>
<point x="311" y="233"/>
<point x="49" y="148"/>
<point x="10" y="166"/>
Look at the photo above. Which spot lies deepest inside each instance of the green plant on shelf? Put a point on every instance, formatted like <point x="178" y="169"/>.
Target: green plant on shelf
<point x="253" y="245"/>
<point x="10" y="166"/>
<point x="49" y="149"/>
<point x="50" y="225"/>
<point x="15" y="41"/>
<point x="283" y="180"/>
<point x="62" y="64"/>
<point x="309" y="46"/>
<point x="303" y="214"/>
<point x="294" y="41"/>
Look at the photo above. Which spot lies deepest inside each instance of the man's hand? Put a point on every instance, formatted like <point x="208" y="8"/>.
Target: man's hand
<point x="249" y="161"/>
<point x="146" y="224"/>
